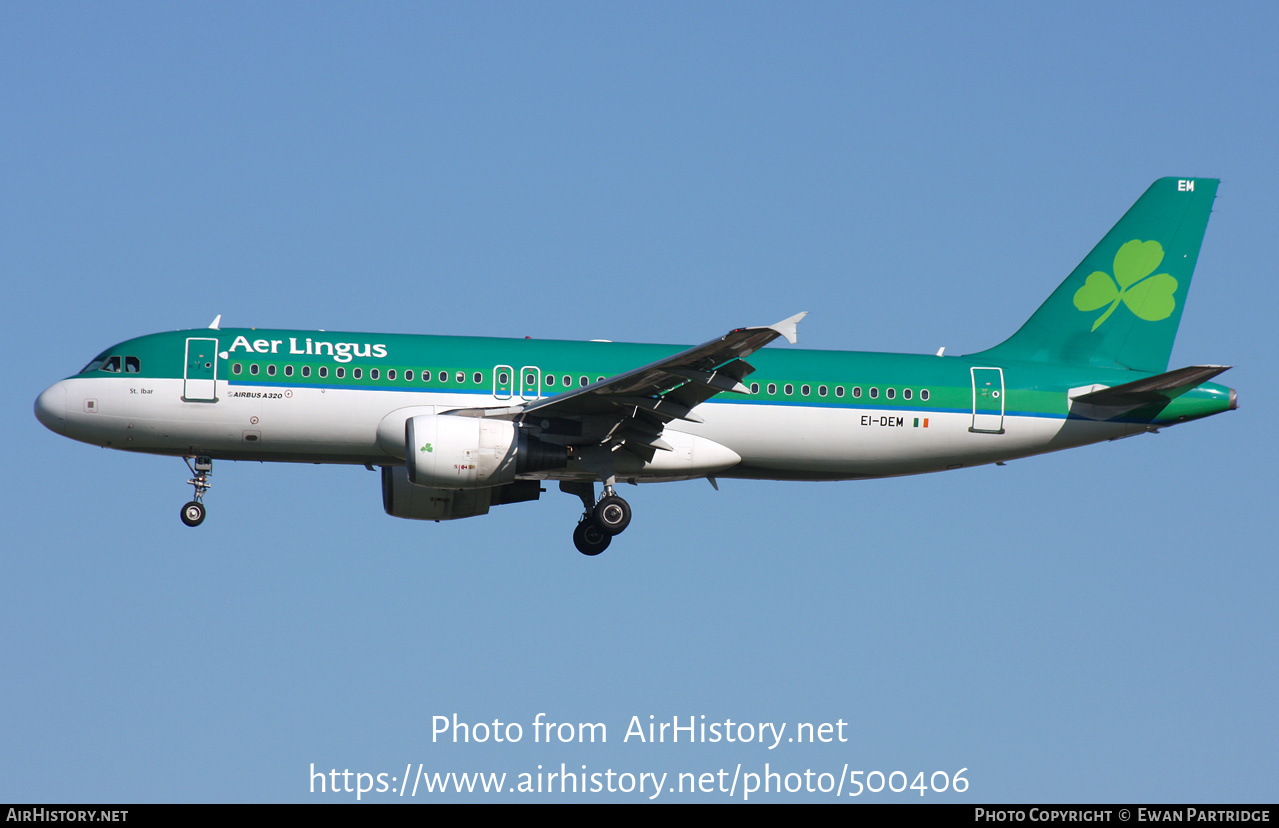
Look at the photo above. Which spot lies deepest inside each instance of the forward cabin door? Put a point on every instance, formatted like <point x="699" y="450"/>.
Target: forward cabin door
<point x="988" y="400"/>
<point x="200" y="371"/>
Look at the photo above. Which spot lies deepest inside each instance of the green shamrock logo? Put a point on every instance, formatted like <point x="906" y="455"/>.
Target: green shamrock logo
<point x="427" y="448"/>
<point x="1149" y="297"/>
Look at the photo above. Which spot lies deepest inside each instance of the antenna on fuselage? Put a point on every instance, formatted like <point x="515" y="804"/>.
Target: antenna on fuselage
<point x="216" y="321"/>
<point x="941" y="350"/>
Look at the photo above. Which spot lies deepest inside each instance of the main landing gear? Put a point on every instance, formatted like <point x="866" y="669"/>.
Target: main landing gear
<point x="589" y="538"/>
<point x="601" y="520"/>
<point x="193" y="512"/>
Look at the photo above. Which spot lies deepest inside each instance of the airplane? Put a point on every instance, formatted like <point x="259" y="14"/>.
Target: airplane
<point x="458" y="425"/>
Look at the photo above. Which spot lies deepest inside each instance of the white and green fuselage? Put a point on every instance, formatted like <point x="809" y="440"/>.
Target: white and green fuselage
<point x="462" y="423"/>
<point x="810" y="415"/>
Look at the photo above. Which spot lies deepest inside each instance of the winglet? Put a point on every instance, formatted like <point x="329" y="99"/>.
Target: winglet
<point x="788" y="327"/>
<point x="217" y="320"/>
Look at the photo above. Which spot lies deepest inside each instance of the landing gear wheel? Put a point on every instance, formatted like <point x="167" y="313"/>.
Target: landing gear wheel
<point x="612" y="515"/>
<point x="590" y="539"/>
<point x="193" y="513"/>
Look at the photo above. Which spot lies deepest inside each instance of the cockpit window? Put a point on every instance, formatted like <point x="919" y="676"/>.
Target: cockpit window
<point x="96" y="363"/>
<point x="113" y="364"/>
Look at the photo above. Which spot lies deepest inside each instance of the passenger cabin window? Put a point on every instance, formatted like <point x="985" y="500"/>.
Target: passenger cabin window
<point x="288" y="370"/>
<point x="839" y="390"/>
<point x="461" y="377"/>
<point x="339" y="372"/>
<point x="479" y="378"/>
<point x="356" y="373"/>
<point x="891" y="392"/>
<point x="306" y="370"/>
<point x="408" y="374"/>
<point x="874" y="392"/>
<point x="253" y="369"/>
<point x="857" y="391"/>
<point x="237" y="368"/>
<point x="270" y="370"/>
<point x="324" y="371"/>
<point x="906" y="393"/>
<point x="373" y="373"/>
<point x="923" y="395"/>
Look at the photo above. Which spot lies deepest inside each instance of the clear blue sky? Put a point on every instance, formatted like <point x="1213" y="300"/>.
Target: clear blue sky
<point x="1088" y="626"/>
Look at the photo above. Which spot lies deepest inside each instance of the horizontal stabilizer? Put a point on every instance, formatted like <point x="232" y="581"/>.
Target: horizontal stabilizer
<point x="1153" y="389"/>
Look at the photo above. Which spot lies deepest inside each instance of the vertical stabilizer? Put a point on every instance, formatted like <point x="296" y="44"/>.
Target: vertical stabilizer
<point x="1121" y="306"/>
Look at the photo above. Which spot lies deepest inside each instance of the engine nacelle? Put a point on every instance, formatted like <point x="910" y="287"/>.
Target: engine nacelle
<point x="402" y="499"/>
<point x="447" y="451"/>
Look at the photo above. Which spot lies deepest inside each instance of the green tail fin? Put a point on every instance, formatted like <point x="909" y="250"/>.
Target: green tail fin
<point x="1121" y="306"/>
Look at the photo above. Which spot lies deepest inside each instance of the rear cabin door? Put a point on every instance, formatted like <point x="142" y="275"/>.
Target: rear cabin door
<point x="988" y="400"/>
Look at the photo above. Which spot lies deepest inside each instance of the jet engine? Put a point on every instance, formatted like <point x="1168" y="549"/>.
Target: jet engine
<point x="448" y="451"/>
<point x="402" y="499"/>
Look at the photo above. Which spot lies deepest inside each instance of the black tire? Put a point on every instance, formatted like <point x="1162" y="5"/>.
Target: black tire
<point x="612" y="515"/>
<point x="590" y="539"/>
<point x="193" y="513"/>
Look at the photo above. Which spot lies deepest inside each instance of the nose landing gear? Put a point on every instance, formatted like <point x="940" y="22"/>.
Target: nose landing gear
<point x="193" y="512"/>
<point x="600" y="520"/>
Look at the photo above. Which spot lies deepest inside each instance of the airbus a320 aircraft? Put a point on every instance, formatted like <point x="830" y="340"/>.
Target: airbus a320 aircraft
<point x="459" y="425"/>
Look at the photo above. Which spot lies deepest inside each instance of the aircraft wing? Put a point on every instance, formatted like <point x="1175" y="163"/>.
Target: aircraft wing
<point x="631" y="409"/>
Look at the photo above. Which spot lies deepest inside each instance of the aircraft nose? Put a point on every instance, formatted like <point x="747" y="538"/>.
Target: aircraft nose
<point x="51" y="408"/>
